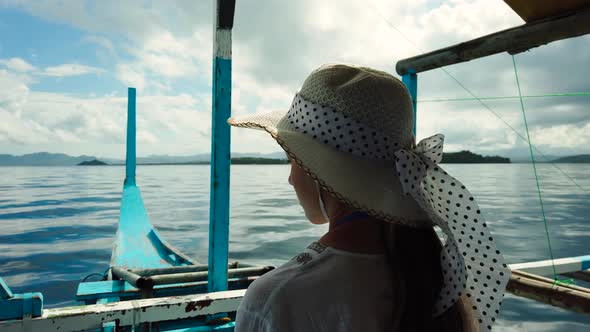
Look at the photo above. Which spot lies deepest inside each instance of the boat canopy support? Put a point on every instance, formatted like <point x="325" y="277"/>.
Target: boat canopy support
<point x="514" y="40"/>
<point x="220" y="147"/>
<point x="410" y="79"/>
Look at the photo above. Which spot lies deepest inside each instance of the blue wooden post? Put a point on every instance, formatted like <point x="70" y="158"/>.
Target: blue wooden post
<point x="220" y="148"/>
<point x="130" y="158"/>
<point x="411" y="81"/>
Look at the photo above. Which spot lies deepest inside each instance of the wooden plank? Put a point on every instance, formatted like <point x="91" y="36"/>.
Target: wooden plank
<point x="539" y="9"/>
<point x="130" y="313"/>
<point x="544" y="290"/>
<point x="562" y="266"/>
<point x="514" y="40"/>
<point x="89" y="291"/>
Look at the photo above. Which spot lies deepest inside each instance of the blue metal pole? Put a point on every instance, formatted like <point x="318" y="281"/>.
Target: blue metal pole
<point x="411" y="81"/>
<point x="220" y="148"/>
<point x="130" y="158"/>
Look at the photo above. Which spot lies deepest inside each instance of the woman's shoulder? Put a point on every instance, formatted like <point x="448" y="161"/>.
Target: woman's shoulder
<point x="273" y="285"/>
<point x="316" y="267"/>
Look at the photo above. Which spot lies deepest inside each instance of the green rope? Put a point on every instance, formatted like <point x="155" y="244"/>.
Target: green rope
<point x="572" y="94"/>
<point x="526" y="126"/>
<point x="563" y="282"/>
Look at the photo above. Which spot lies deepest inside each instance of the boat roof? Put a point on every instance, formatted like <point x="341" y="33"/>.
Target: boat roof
<point x="533" y="10"/>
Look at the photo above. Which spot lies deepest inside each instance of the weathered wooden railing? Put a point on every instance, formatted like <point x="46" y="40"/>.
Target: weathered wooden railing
<point x="145" y="314"/>
<point x="528" y="281"/>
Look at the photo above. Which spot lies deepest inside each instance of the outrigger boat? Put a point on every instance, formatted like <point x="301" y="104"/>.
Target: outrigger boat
<point x="153" y="287"/>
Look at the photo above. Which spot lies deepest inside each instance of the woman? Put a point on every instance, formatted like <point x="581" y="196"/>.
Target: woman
<point x="380" y="267"/>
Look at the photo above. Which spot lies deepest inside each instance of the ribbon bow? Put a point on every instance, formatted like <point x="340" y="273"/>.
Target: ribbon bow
<point x="413" y="164"/>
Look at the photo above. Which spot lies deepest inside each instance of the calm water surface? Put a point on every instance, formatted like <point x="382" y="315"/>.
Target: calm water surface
<point x="58" y="223"/>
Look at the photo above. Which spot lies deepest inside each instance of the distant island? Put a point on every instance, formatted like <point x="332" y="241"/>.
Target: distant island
<point x="93" y="162"/>
<point x="42" y="159"/>
<point x="581" y="158"/>
<point x="468" y="157"/>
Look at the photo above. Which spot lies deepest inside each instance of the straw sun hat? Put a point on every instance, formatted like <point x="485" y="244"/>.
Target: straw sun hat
<point x="350" y="129"/>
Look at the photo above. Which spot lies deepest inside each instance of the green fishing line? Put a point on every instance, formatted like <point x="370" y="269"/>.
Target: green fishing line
<point x="528" y="136"/>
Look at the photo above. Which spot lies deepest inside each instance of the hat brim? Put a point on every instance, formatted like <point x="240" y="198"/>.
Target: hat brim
<point x="368" y="185"/>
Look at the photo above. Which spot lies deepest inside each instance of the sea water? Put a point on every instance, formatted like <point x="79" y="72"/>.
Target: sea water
<point x="57" y="224"/>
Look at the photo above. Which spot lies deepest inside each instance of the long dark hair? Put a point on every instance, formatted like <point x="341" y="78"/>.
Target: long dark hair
<point x="415" y="259"/>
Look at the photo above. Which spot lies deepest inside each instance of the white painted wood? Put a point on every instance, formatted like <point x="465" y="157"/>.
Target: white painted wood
<point x="223" y="43"/>
<point x="545" y="268"/>
<point x="130" y="312"/>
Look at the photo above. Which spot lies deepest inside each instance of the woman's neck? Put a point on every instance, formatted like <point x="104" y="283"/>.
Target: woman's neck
<point x="351" y="230"/>
<point x="358" y="233"/>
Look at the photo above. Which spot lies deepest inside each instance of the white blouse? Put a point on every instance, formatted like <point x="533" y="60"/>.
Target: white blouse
<point x="321" y="289"/>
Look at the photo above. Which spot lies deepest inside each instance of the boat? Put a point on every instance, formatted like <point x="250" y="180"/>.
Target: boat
<point x="151" y="286"/>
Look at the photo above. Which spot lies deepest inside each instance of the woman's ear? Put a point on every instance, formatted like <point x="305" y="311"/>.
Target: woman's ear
<point x="324" y="212"/>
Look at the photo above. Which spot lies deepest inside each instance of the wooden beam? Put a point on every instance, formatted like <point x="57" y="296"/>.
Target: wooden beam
<point x="513" y="41"/>
<point x="540" y="9"/>
<point x="562" y="266"/>
<point x="128" y="313"/>
<point x="94" y="291"/>
<point x="544" y="290"/>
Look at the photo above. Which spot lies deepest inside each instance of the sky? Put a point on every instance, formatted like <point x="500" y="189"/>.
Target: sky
<point x="65" y="67"/>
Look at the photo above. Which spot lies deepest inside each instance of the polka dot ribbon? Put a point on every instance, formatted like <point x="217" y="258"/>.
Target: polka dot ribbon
<point x="471" y="263"/>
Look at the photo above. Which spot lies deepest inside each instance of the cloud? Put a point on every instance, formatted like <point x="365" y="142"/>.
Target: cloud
<point x="163" y="48"/>
<point x="69" y="69"/>
<point x="41" y="121"/>
<point x="131" y="76"/>
<point x="563" y="136"/>
<point x="101" y="41"/>
<point x="17" y="64"/>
